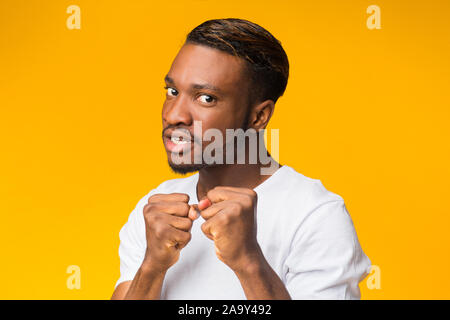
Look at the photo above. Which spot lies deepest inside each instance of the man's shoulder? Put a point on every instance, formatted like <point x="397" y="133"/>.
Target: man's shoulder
<point x="310" y="207"/>
<point x="309" y="191"/>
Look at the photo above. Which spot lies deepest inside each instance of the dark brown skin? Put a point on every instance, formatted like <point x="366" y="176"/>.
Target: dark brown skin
<point x="211" y="86"/>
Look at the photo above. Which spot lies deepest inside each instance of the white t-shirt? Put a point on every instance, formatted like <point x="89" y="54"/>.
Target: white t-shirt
<point x="304" y="231"/>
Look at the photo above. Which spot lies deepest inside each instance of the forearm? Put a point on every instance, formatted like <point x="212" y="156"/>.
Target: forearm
<point x="146" y="285"/>
<point x="260" y="282"/>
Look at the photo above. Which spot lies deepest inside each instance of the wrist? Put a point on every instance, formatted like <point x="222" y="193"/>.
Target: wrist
<point x="147" y="283"/>
<point x="252" y="264"/>
<point x="151" y="269"/>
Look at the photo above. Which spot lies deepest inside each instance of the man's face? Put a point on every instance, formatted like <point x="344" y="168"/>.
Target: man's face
<point x="206" y="85"/>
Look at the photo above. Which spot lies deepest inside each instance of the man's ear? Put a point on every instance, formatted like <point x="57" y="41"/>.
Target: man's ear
<point x="261" y="114"/>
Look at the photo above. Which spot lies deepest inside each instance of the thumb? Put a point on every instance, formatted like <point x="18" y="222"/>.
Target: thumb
<point x="193" y="212"/>
<point x="204" y="203"/>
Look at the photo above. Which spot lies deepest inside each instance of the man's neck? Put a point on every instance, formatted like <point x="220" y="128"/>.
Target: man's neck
<point x="232" y="175"/>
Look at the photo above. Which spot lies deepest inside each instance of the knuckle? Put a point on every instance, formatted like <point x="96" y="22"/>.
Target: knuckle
<point x="160" y="231"/>
<point x="235" y="207"/>
<point x="185" y="208"/>
<point x="149" y="207"/>
<point x="182" y="197"/>
<point x="249" y="200"/>
<point x="188" y="223"/>
<point x="211" y="192"/>
<point x="182" y="223"/>
<point x="225" y="219"/>
<point x="253" y="195"/>
<point x="151" y="218"/>
<point x="153" y="197"/>
<point x="187" y="237"/>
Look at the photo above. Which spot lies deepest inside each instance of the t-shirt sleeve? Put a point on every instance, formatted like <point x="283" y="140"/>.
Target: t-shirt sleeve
<point x="325" y="260"/>
<point x="132" y="242"/>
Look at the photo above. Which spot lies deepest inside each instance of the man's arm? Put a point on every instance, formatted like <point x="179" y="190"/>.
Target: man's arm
<point x="121" y="291"/>
<point x="167" y="228"/>
<point x="230" y="223"/>
<point x="260" y="281"/>
<point x="146" y="284"/>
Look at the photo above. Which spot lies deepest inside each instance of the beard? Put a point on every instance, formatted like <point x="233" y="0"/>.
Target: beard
<point x="187" y="168"/>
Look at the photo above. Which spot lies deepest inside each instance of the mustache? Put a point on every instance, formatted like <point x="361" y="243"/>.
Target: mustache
<point x="194" y="139"/>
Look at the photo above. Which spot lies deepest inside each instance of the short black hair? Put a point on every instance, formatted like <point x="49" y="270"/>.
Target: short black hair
<point x="267" y="62"/>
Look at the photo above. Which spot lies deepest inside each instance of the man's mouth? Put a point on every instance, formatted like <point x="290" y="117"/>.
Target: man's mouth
<point x="179" y="134"/>
<point x="179" y="140"/>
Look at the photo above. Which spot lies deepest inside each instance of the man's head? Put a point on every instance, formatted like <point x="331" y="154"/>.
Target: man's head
<point x="228" y="75"/>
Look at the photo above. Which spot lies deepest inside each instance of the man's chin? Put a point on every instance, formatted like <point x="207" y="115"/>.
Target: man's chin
<point x="186" y="168"/>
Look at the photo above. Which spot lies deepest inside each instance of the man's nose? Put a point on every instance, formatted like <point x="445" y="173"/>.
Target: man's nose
<point x="177" y="112"/>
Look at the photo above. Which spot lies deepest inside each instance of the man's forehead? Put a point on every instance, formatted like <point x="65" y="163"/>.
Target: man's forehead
<point x="197" y="64"/>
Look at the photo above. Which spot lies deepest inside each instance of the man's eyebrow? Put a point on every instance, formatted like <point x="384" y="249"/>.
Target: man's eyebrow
<point x="196" y="85"/>
<point x="206" y="86"/>
<point x="169" y="79"/>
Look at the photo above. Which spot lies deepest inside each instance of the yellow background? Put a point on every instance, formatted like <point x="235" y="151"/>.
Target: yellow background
<point x="366" y="111"/>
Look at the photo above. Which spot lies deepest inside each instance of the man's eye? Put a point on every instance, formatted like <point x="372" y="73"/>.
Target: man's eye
<point x="171" y="91"/>
<point x="206" y="98"/>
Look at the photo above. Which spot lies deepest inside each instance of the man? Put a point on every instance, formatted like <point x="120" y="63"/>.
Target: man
<point x="229" y="231"/>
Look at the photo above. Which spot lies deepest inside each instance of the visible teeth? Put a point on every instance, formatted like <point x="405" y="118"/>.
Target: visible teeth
<point x="178" y="141"/>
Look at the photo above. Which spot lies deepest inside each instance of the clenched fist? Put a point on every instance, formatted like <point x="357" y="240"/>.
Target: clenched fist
<point x="230" y="215"/>
<point x="168" y="221"/>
